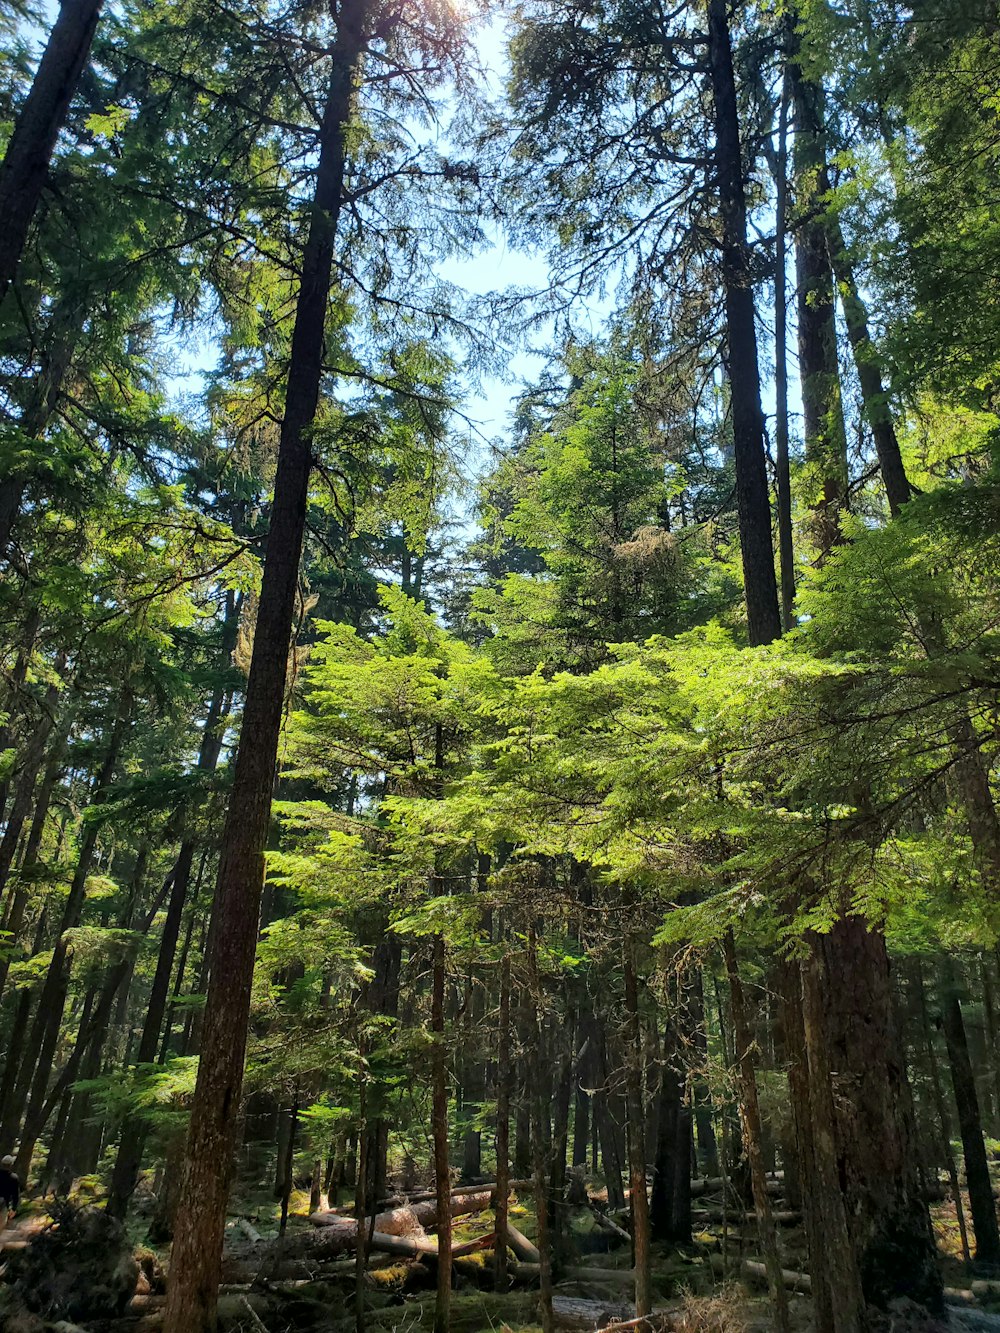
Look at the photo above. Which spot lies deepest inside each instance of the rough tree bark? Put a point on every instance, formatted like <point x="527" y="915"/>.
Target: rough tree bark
<point x="29" y="151"/>
<point x="196" y="1261"/>
<point x="819" y="368"/>
<point x="503" y="1123"/>
<point x="752" y="498"/>
<point x="442" y="1177"/>
<point x="977" y="1171"/>
<point x="878" y="1162"/>
<point x="786" y="553"/>
<point x="37" y="1065"/>
<point x="639" y="1201"/>
<point x="750" y="1112"/>
<point x="130" y="1148"/>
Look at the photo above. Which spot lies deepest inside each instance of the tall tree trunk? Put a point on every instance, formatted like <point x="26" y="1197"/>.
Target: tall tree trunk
<point x="806" y="1177"/>
<point x="639" y="1200"/>
<point x="382" y="998"/>
<point x="786" y="552"/>
<point x="11" y="1096"/>
<point x="940" y="1107"/>
<point x="442" y="1171"/>
<point x="707" y="1146"/>
<point x="833" y="1261"/>
<point x="977" y="1172"/>
<point x="878" y="1161"/>
<point x="197" y="1253"/>
<point x="45" y="1030"/>
<point x="29" y="150"/>
<point x="819" y="368"/>
<point x="752" y="499"/>
<point x="65" y="330"/>
<point x="27" y="778"/>
<point x="750" y="1114"/>
<point x="43" y="799"/>
<point x="504" y="1074"/>
<point x="870" y="374"/>
<point x="668" y="1141"/>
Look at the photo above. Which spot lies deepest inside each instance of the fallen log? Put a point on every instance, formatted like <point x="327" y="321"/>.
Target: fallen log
<point x="956" y="1296"/>
<point x="580" y="1274"/>
<point x="488" y="1186"/>
<point x="251" y="1232"/>
<point x="606" y="1224"/>
<point x="715" y="1184"/>
<point x="786" y="1217"/>
<point x="757" y="1272"/>
<point x="983" y="1289"/>
<point x="568" y="1312"/>
<point x="521" y="1245"/>
<point x="405" y="1220"/>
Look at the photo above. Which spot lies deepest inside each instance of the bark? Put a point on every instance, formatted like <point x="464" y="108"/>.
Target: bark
<point x="804" y="1182"/>
<point x="29" y="859"/>
<point x="27" y="778"/>
<point x="786" y="554"/>
<point x="878" y="1161"/>
<point x="668" y="1140"/>
<point x="382" y="998"/>
<point x="15" y="682"/>
<point x="129" y="1159"/>
<point x="752" y="498"/>
<point x="29" y="151"/>
<point x="581" y="1123"/>
<point x="52" y="1001"/>
<point x="473" y="1085"/>
<point x="868" y="365"/>
<point x="130" y="1150"/>
<point x="750" y="1115"/>
<point x="977" y="1173"/>
<point x="992" y="1035"/>
<point x="503" y="1123"/>
<point x="11" y="1097"/>
<point x="541" y="1146"/>
<point x="442" y="1177"/>
<point x="196" y="1261"/>
<point x="638" y="1199"/>
<point x="941" y="1109"/>
<point x="288" y="1163"/>
<point x="704" y="1123"/>
<point x="819" y="368"/>
<point x="834" y="1258"/>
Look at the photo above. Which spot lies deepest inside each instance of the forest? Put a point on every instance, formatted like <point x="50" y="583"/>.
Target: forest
<point x="500" y="665"/>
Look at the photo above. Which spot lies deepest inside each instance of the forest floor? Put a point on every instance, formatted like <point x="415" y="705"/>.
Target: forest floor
<point x="306" y="1279"/>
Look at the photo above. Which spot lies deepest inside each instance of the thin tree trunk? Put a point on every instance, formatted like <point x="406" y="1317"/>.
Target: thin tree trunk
<point x="639" y="1200"/>
<point x="977" y="1172"/>
<point x="941" y="1109"/>
<point x="786" y="553"/>
<point x="752" y="498"/>
<point x="29" y="150"/>
<point x="702" y="1096"/>
<point x="196" y="1262"/>
<point x="819" y="367"/>
<point x="11" y="1098"/>
<point x="750" y="1114"/>
<point x="870" y="375"/>
<point x="503" y="1124"/>
<point x="52" y="1001"/>
<point x="442" y="1170"/>
<point x="288" y="1165"/>
<point x="27" y="778"/>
